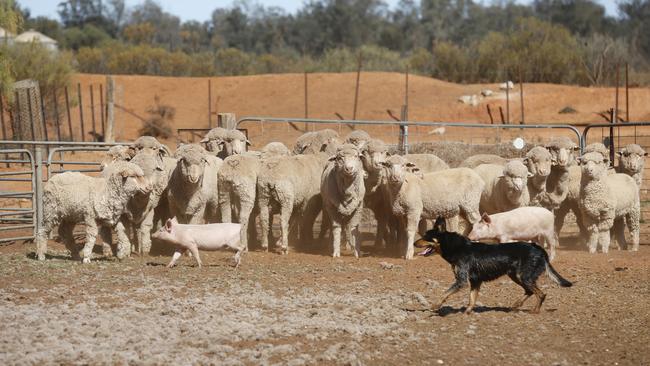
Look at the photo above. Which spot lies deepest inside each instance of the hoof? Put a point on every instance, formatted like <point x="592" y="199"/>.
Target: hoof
<point x="85" y="260"/>
<point x="40" y="257"/>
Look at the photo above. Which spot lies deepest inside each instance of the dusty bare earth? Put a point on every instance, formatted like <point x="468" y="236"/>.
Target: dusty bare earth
<point x="307" y="308"/>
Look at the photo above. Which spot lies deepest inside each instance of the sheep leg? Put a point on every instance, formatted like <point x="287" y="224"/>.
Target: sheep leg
<point x="66" y="233"/>
<point x="618" y="233"/>
<point x="592" y="240"/>
<point x="452" y="223"/>
<point x="285" y="215"/>
<point x="354" y="233"/>
<point x="107" y="239"/>
<point x="91" y="237"/>
<point x="380" y="237"/>
<point x="264" y="221"/>
<point x="411" y="228"/>
<point x="143" y="233"/>
<point x="553" y="243"/>
<point x="632" y="219"/>
<point x="41" y="241"/>
<point x="244" y="216"/>
<point x="336" y="238"/>
<point x="560" y="215"/>
<point x="604" y="239"/>
<point x="225" y="205"/>
<point x="123" y="243"/>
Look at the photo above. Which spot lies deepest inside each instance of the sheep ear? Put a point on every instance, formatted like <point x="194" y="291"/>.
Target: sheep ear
<point x="164" y="151"/>
<point x="576" y="148"/>
<point x="248" y="143"/>
<point x="332" y="158"/>
<point x="204" y="140"/>
<point x="645" y="154"/>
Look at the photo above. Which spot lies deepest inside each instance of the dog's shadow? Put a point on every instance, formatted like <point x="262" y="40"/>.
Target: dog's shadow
<point x="448" y="310"/>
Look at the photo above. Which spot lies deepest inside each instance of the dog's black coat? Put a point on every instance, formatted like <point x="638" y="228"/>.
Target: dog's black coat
<point x="476" y="262"/>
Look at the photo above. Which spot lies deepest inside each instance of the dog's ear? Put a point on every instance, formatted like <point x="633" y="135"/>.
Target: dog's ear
<point x="440" y="225"/>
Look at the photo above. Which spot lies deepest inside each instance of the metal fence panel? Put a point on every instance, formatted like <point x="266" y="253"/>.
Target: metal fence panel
<point x="18" y="209"/>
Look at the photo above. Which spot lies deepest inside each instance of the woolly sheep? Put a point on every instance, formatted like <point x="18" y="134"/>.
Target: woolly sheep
<point x="326" y="140"/>
<point x="342" y="191"/>
<point x="117" y="153"/>
<point x="562" y="151"/>
<point x="237" y="185"/>
<point x="631" y="161"/>
<point x="214" y="141"/>
<point x="446" y="193"/>
<point x="506" y="187"/>
<point x="141" y="208"/>
<point x="538" y="162"/>
<point x="192" y="194"/>
<point x="372" y="157"/>
<point x="605" y="201"/>
<point x="358" y="138"/>
<point x="478" y="159"/>
<point x="571" y="202"/>
<point x="427" y="163"/>
<point x="70" y="198"/>
<point x="290" y="185"/>
<point x="150" y="145"/>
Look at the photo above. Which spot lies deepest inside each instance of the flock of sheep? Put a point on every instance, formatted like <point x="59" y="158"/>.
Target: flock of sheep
<point x="218" y="180"/>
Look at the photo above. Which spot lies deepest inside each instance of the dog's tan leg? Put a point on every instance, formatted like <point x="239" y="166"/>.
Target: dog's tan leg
<point x="540" y="299"/>
<point x="527" y="292"/>
<point x="473" y="295"/>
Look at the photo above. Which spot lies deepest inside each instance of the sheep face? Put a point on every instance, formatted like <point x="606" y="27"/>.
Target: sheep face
<point x="214" y="146"/>
<point x="538" y="162"/>
<point x="192" y="168"/>
<point x="235" y="142"/>
<point x="117" y="153"/>
<point x="347" y="161"/>
<point x="562" y="151"/>
<point x="515" y="177"/>
<point x="358" y="138"/>
<point x="129" y="177"/>
<point x="149" y="145"/>
<point x="631" y="160"/>
<point x="593" y="165"/>
<point x="397" y="168"/>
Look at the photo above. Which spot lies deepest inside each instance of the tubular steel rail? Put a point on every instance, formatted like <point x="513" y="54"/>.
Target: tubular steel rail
<point x="14" y="218"/>
<point x="403" y="126"/>
<point x="19" y="218"/>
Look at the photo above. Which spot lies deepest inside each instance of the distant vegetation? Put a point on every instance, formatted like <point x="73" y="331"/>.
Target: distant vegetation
<point x="559" y="41"/>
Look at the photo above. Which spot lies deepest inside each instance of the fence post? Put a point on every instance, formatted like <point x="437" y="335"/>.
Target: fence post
<point x="56" y="115"/>
<point x="81" y="112"/>
<point x="67" y="109"/>
<point x="404" y="132"/>
<point x="101" y="107"/>
<point x="209" y="104"/>
<point x="92" y="112"/>
<point x="37" y="201"/>
<point x="226" y="120"/>
<point x="110" y="109"/>
<point x="356" y="89"/>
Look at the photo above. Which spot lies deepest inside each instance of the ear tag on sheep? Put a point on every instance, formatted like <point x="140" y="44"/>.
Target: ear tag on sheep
<point x="518" y="143"/>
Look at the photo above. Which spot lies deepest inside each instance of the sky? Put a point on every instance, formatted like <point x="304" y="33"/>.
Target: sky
<point x="202" y="9"/>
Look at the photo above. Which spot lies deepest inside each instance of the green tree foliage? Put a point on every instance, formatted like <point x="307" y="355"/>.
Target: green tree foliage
<point x="33" y="61"/>
<point x="11" y="20"/>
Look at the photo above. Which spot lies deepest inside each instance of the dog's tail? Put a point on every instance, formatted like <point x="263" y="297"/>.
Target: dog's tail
<point x="552" y="273"/>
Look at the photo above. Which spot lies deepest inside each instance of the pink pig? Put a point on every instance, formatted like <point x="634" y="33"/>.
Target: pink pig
<point x="208" y="237"/>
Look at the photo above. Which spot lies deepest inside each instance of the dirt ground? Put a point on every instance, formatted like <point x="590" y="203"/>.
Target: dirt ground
<point x="307" y="308"/>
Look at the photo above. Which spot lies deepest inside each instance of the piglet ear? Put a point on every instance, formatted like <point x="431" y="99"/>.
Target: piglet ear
<point x="169" y="224"/>
<point x="486" y="218"/>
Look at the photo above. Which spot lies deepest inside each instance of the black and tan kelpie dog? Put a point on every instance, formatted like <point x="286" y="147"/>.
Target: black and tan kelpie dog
<point x="476" y="263"/>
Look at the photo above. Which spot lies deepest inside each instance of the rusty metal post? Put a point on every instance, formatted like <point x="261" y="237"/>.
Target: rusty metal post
<point x="507" y="120"/>
<point x="67" y="109"/>
<point x="92" y="112"/>
<point x="103" y="110"/>
<point x="209" y="103"/>
<point x="521" y="96"/>
<point x="110" y="110"/>
<point x="612" y="113"/>
<point x="356" y="89"/>
<point x="503" y="120"/>
<point x="2" y="118"/>
<point x="490" y="113"/>
<point x="81" y="113"/>
<point x="56" y="115"/>
<point x="306" y="96"/>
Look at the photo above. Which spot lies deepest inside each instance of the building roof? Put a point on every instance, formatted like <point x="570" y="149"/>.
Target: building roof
<point x="32" y="35"/>
<point x="6" y="34"/>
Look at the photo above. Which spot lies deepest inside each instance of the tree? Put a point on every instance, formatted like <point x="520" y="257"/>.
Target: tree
<point x="584" y="17"/>
<point x="635" y="15"/>
<point x="11" y="20"/>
